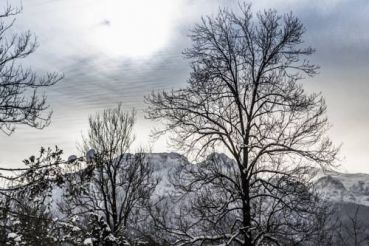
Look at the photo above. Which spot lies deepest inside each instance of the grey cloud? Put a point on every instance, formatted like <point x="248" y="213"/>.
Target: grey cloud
<point x="93" y="80"/>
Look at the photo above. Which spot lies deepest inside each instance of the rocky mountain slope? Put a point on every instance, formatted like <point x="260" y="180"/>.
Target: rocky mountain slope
<point x="344" y="187"/>
<point x="332" y="185"/>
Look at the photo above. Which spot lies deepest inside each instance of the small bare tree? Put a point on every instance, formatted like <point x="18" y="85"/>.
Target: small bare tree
<point x="244" y="96"/>
<point x="20" y="100"/>
<point x="109" y="197"/>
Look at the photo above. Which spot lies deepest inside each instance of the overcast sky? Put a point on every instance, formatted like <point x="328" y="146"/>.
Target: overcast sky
<point x="118" y="51"/>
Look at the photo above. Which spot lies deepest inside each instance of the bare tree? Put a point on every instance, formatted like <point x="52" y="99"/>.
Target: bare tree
<point x="110" y="195"/>
<point x="37" y="175"/>
<point x="205" y="208"/>
<point x="244" y="96"/>
<point x="20" y="100"/>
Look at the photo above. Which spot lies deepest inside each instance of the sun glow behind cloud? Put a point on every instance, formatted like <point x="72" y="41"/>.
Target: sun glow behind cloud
<point x="133" y="28"/>
<point x="115" y="28"/>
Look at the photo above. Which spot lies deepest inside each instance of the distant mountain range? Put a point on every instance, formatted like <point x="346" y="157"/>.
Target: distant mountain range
<point x="348" y="193"/>
<point x="343" y="187"/>
<point x="332" y="185"/>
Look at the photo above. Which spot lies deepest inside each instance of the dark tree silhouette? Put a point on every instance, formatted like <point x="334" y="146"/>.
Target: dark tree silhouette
<point x="28" y="220"/>
<point x="25" y="200"/>
<point x="20" y="101"/>
<point x="244" y="96"/>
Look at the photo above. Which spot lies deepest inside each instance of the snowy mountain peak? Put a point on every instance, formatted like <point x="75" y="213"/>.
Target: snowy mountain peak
<point x="344" y="187"/>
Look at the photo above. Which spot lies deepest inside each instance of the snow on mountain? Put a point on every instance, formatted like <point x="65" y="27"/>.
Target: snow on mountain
<point x="333" y="186"/>
<point x="344" y="187"/>
<point x="163" y="164"/>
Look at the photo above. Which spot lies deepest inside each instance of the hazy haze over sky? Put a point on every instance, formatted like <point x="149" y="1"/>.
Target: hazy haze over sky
<point x="118" y="51"/>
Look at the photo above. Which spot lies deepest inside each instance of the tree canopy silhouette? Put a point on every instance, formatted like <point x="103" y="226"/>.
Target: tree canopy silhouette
<point x="20" y="101"/>
<point x="244" y="95"/>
